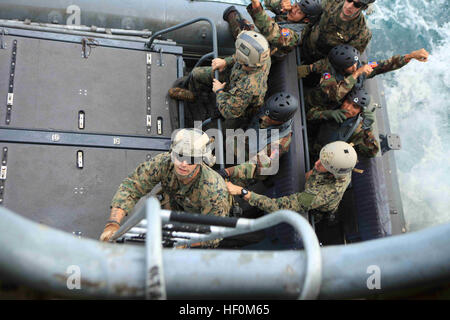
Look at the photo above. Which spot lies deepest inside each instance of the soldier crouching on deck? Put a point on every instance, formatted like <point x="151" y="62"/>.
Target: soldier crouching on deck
<point x="185" y="176"/>
<point x="242" y="82"/>
<point x="324" y="188"/>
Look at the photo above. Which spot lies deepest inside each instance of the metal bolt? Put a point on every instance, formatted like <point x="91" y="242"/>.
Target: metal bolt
<point x="55" y="137"/>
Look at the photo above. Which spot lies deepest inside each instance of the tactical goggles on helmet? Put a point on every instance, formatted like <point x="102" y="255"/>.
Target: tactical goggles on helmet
<point x="358" y="4"/>
<point x="188" y="159"/>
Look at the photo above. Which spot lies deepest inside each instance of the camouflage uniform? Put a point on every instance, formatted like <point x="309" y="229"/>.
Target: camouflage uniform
<point x="244" y="92"/>
<point x="330" y="31"/>
<point x="364" y="141"/>
<point x="333" y="88"/>
<point x="323" y="192"/>
<point x="284" y="39"/>
<point x="206" y="194"/>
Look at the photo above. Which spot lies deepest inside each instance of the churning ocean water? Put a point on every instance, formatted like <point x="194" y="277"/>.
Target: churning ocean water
<point x="418" y="102"/>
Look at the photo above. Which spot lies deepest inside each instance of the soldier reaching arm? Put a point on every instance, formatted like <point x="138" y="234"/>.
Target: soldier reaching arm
<point x="185" y="177"/>
<point x="324" y="187"/>
<point x="343" y="70"/>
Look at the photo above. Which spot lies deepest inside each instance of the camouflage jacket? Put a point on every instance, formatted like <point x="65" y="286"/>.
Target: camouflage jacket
<point x="206" y="194"/>
<point x="284" y="39"/>
<point x="364" y="141"/>
<point x="242" y="173"/>
<point x="331" y="31"/>
<point x="333" y="88"/>
<point x="323" y="192"/>
<point x="245" y="91"/>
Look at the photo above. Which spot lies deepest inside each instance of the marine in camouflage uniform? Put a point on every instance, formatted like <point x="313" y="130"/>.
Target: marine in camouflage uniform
<point x="331" y="30"/>
<point x="323" y="192"/>
<point x="324" y="188"/>
<point x="245" y="74"/>
<point x="205" y="194"/>
<point x="185" y="177"/>
<point x="333" y="87"/>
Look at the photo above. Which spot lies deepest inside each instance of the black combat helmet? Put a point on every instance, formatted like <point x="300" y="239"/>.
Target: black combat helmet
<point x="281" y="106"/>
<point x="312" y="9"/>
<point x="359" y="96"/>
<point x="343" y="56"/>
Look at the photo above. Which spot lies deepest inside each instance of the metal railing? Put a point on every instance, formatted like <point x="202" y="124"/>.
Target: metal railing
<point x="213" y="54"/>
<point x="38" y="257"/>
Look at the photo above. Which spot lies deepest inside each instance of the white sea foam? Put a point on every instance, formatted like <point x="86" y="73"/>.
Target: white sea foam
<point x="418" y="100"/>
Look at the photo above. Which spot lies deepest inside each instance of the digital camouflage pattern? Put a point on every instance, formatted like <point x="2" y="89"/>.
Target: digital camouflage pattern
<point x="331" y="30"/>
<point x="244" y="92"/>
<point x="206" y="194"/>
<point x="323" y="192"/>
<point x="331" y="91"/>
<point x="242" y="173"/>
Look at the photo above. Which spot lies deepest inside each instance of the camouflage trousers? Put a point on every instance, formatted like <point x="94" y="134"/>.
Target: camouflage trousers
<point x="201" y="81"/>
<point x="202" y="78"/>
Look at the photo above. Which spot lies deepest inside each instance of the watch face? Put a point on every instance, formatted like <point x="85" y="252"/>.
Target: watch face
<point x="244" y="192"/>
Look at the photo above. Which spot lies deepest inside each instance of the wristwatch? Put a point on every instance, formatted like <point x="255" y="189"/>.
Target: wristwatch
<point x="244" y="192"/>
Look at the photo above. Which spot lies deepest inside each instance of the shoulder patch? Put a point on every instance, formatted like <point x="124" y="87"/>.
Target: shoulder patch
<point x="373" y="64"/>
<point x="285" y="32"/>
<point x="326" y="76"/>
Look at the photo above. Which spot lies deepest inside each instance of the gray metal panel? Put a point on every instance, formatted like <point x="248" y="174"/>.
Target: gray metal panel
<point x="137" y="15"/>
<point x="53" y="83"/>
<point x="44" y="184"/>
